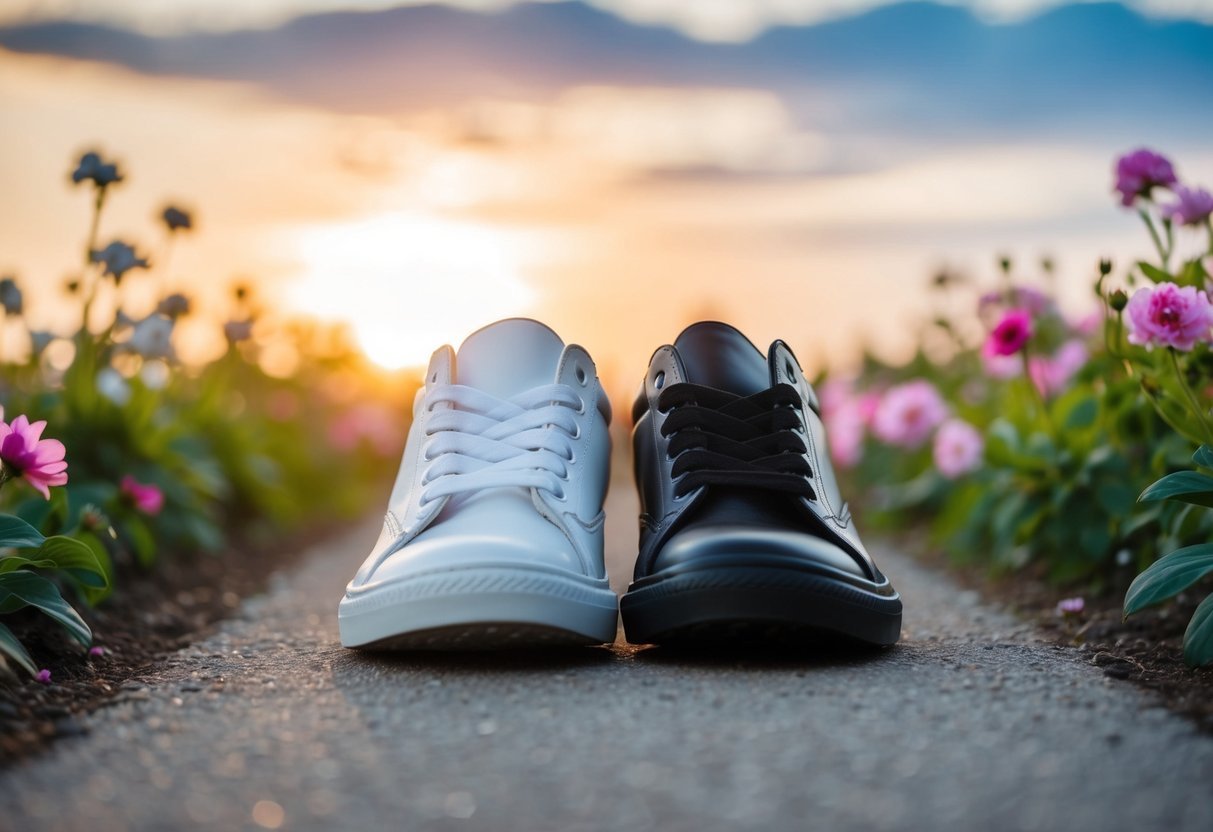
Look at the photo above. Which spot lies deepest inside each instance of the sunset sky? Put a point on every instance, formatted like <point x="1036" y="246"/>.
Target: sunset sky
<point x="618" y="169"/>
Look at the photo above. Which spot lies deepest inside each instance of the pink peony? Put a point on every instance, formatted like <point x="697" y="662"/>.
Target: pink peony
<point x="1167" y="315"/>
<point x="25" y="454"/>
<point x="146" y="497"/>
<point x="908" y="412"/>
<point x="1139" y="172"/>
<point x="958" y="448"/>
<point x="1192" y="206"/>
<point x="1011" y="334"/>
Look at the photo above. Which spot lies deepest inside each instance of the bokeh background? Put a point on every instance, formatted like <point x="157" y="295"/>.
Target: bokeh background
<point x="617" y="168"/>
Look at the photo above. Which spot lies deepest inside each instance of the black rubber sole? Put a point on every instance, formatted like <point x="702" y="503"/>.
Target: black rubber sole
<point x="752" y="603"/>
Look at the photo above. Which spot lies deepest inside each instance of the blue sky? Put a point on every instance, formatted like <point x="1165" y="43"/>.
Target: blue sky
<point x="711" y="19"/>
<point x="564" y="160"/>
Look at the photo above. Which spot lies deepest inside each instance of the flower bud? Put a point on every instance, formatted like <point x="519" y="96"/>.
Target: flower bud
<point x="1105" y="267"/>
<point x="1118" y="300"/>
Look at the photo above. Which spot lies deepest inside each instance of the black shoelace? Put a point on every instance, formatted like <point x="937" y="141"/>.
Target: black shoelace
<point x="719" y="438"/>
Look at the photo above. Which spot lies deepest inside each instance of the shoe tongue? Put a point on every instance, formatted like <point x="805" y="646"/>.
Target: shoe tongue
<point x="717" y="355"/>
<point x="509" y="357"/>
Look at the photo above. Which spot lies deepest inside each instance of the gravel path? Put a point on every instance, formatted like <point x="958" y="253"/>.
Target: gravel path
<point x="968" y="723"/>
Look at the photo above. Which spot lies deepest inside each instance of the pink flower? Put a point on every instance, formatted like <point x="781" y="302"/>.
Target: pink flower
<point x="1051" y="375"/>
<point x="908" y="412"/>
<point x="1167" y="315"/>
<point x="845" y="424"/>
<point x="1088" y="324"/>
<point x="1011" y="334"/>
<point x="1192" y="206"/>
<point x="96" y="652"/>
<point x="1070" y="606"/>
<point x="1001" y="366"/>
<point x="1139" y="172"/>
<point x="146" y="497"/>
<point x="25" y="454"/>
<point x="958" y="448"/>
<point x="43" y="676"/>
<point x="370" y="423"/>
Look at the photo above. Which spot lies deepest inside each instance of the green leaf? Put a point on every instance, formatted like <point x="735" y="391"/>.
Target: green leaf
<point x="15" y="650"/>
<point x="1185" y="486"/>
<point x="1082" y="415"/>
<point x="8" y="563"/>
<point x="1154" y="273"/>
<point x="75" y="558"/>
<point x="141" y="541"/>
<point x="17" y="533"/>
<point x="92" y="595"/>
<point x="1168" y="576"/>
<point x="1198" y="638"/>
<point x="1116" y="498"/>
<point x="1203" y="456"/>
<point x="22" y="589"/>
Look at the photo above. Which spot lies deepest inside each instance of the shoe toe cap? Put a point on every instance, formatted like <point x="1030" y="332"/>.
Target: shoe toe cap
<point x="722" y="542"/>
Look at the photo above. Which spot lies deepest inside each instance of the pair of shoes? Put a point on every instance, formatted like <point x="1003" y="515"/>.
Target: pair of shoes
<point x="494" y="531"/>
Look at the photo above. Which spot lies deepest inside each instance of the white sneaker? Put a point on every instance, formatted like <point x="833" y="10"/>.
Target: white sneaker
<point x="494" y="531"/>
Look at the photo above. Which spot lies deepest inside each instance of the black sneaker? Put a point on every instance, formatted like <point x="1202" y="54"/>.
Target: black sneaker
<point x="743" y="533"/>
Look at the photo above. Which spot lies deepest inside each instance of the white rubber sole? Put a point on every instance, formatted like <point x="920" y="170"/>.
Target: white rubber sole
<point x="480" y="608"/>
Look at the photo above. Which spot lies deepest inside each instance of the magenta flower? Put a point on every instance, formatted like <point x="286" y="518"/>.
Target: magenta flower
<point x="1070" y="606"/>
<point x="24" y="453"/>
<point x="1139" y="172"/>
<point x="1192" y="206"/>
<point x="1011" y="333"/>
<point x="1166" y="315"/>
<point x="958" y="448"/>
<point x="908" y="412"/>
<point x="146" y="497"/>
<point x="96" y="652"/>
<point x="43" y="676"/>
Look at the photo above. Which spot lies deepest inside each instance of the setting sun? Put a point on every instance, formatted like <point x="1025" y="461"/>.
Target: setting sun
<point x="407" y="281"/>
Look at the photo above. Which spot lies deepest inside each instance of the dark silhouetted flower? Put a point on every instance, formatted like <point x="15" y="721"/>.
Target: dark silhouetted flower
<point x="95" y="170"/>
<point x="174" y="306"/>
<point x="177" y="219"/>
<point x="10" y="297"/>
<point x="237" y="331"/>
<point x="1138" y="173"/>
<point x="119" y="258"/>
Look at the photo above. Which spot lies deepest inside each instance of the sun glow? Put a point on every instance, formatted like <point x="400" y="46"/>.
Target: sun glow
<point x="408" y="282"/>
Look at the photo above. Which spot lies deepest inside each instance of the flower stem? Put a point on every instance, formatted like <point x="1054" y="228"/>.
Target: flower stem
<point x="1036" y="393"/>
<point x="1163" y="254"/>
<point x="1200" y="414"/>
<point x="90" y="292"/>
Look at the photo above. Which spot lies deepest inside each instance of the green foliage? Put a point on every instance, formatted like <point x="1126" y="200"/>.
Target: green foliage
<point x="1068" y="444"/>
<point x="1176" y="572"/>
<point x="166" y="457"/>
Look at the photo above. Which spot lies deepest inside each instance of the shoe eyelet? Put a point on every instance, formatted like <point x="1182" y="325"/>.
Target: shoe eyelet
<point x="560" y="496"/>
<point x="580" y="411"/>
<point x="789" y="369"/>
<point x="576" y="432"/>
<point x="434" y="378"/>
<point x="659" y="380"/>
<point x="582" y="378"/>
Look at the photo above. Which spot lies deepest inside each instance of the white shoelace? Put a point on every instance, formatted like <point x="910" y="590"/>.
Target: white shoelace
<point x="484" y="441"/>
